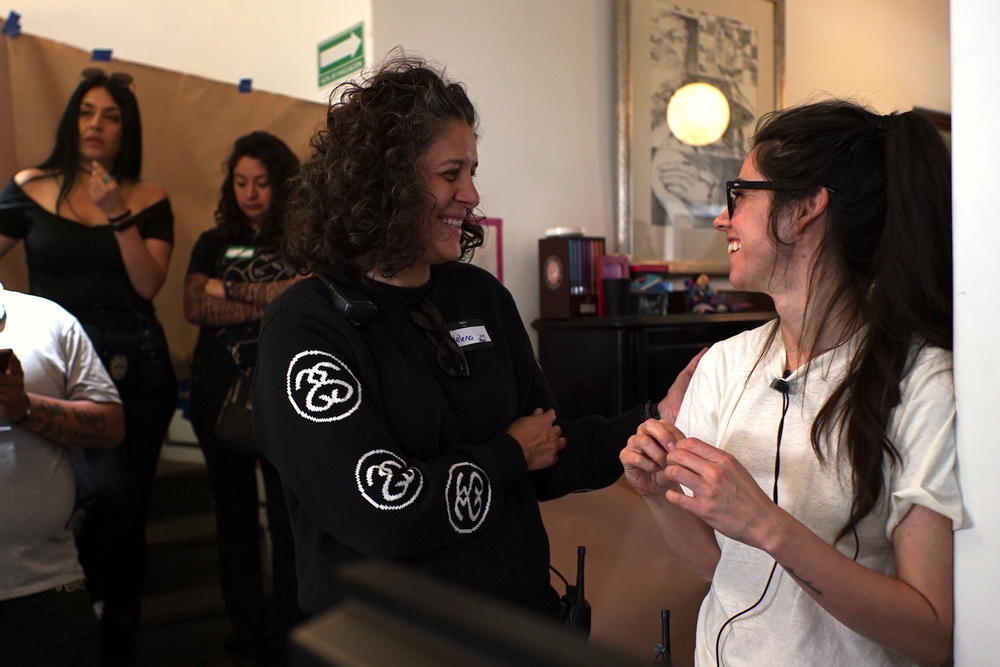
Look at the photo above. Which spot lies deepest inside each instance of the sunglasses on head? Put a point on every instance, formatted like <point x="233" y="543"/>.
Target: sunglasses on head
<point x="119" y="78"/>
<point x="450" y="357"/>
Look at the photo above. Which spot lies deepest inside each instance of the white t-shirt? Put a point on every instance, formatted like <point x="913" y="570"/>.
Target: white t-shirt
<point x="730" y="404"/>
<point x="37" y="489"/>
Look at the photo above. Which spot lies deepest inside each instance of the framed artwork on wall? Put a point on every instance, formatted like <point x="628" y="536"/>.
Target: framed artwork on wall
<point x="694" y="76"/>
<point x="489" y="256"/>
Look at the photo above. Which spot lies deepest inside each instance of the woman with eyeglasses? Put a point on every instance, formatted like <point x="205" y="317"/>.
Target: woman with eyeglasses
<point x="98" y="240"/>
<point x="396" y="390"/>
<point x="233" y="274"/>
<point x="810" y="473"/>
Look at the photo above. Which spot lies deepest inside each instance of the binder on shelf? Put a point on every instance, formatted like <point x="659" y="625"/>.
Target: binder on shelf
<point x="570" y="275"/>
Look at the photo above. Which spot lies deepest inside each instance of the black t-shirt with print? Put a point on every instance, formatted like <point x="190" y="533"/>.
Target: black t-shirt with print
<point x="235" y="260"/>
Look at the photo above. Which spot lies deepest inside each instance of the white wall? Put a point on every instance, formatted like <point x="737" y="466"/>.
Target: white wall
<point x="542" y="77"/>
<point x="273" y="43"/>
<point x="892" y="54"/>
<point x="975" y="140"/>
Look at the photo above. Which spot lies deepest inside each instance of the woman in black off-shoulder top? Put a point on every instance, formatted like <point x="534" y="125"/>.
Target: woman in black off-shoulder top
<point x="98" y="242"/>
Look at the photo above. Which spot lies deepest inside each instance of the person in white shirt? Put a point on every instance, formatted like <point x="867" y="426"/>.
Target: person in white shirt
<point x="55" y="396"/>
<point x="810" y="472"/>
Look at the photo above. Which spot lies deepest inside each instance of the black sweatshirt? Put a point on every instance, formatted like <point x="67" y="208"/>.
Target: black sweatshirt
<point x="384" y="455"/>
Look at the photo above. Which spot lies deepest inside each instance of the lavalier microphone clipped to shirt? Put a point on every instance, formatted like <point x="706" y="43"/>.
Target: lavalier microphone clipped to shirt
<point x="782" y="384"/>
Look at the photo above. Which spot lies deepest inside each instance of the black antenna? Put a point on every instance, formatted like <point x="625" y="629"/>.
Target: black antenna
<point x="663" y="656"/>
<point x="573" y="607"/>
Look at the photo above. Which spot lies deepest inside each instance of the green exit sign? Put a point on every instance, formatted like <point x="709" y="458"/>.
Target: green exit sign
<point x="341" y="54"/>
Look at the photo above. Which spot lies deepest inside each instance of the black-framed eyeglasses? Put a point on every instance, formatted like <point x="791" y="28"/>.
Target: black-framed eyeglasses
<point x="449" y="355"/>
<point x="757" y="185"/>
<point x="753" y="185"/>
<point x="119" y="78"/>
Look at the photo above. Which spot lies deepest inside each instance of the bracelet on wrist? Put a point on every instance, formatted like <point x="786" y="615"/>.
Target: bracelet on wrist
<point x="120" y="223"/>
<point x="120" y="217"/>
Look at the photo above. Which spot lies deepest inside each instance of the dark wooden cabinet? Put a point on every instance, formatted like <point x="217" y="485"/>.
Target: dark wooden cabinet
<point x="606" y="365"/>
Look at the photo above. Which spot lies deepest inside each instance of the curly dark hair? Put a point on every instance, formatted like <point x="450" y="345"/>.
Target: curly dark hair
<point x="281" y="165"/>
<point x="358" y="201"/>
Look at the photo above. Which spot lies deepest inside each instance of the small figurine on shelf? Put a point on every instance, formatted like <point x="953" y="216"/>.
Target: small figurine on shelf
<point x="701" y="296"/>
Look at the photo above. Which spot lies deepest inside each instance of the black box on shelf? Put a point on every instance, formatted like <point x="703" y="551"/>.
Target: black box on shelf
<point x="569" y="275"/>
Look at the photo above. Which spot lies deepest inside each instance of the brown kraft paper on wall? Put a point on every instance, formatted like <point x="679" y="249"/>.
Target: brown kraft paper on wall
<point x="189" y="124"/>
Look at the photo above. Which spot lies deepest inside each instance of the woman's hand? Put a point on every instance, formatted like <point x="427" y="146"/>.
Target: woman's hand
<point x="539" y="437"/>
<point x="725" y="495"/>
<point x="215" y="288"/>
<point x="645" y="456"/>
<point x="670" y="404"/>
<point x="105" y="192"/>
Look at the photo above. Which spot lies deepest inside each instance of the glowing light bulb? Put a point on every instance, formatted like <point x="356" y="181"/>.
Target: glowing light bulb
<point x="698" y="114"/>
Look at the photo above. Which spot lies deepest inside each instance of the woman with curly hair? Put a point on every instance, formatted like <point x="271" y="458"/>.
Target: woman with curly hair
<point x="233" y="274"/>
<point x="819" y="488"/>
<point x="98" y="241"/>
<point x="396" y="391"/>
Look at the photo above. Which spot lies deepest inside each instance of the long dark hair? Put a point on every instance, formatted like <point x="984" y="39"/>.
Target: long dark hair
<point x="888" y="241"/>
<point x="359" y="200"/>
<point x="65" y="155"/>
<point x="281" y="165"/>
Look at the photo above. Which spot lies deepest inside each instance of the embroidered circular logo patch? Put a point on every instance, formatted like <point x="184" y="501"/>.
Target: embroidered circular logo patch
<point x="321" y="387"/>
<point x="385" y="481"/>
<point x="468" y="497"/>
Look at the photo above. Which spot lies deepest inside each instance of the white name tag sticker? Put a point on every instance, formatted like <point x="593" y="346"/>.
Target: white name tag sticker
<point x="240" y="252"/>
<point x="470" y="333"/>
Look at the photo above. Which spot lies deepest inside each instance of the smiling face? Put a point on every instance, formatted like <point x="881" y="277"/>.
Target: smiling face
<point x="252" y="187"/>
<point x="753" y="257"/>
<point x="100" y="127"/>
<point x="448" y="168"/>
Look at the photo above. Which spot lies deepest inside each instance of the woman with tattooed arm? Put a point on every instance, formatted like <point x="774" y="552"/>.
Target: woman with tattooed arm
<point x="233" y="274"/>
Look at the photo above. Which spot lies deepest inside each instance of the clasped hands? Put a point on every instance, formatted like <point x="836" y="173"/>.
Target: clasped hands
<point x="659" y="458"/>
<point x="540" y="438"/>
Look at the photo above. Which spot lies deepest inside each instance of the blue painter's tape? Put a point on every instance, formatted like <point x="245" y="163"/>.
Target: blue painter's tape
<point x="12" y="24"/>
<point x="100" y="54"/>
<point x="246" y="85"/>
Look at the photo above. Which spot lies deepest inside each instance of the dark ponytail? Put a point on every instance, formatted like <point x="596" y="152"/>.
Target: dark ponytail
<point x="889" y="239"/>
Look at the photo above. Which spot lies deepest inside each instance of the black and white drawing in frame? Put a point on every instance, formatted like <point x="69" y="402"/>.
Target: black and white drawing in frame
<point x="675" y="189"/>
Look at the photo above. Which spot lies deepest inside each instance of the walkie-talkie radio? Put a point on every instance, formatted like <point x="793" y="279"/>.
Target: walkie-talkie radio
<point x="574" y="610"/>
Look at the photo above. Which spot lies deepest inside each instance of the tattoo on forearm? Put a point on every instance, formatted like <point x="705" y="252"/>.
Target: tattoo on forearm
<point x="64" y="436"/>
<point x="808" y="584"/>
<point x="259" y="294"/>
<point x="222" y="312"/>
<point x="91" y="421"/>
<point x="75" y="427"/>
<point x="51" y="410"/>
